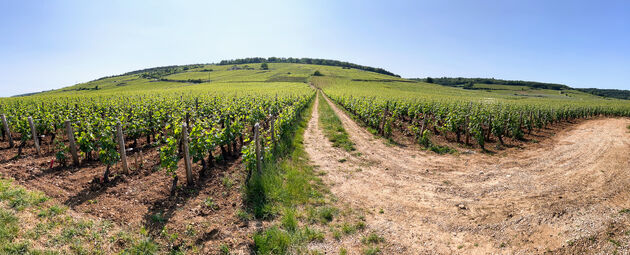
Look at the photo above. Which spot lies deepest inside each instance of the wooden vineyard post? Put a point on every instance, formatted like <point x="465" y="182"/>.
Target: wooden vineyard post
<point x="7" y="131"/>
<point x="73" y="145"/>
<point x="150" y="128"/>
<point x="135" y="160"/>
<point x="384" y="120"/>
<point x="467" y="123"/>
<point x="466" y="128"/>
<point x="121" y="148"/>
<point x="381" y="128"/>
<point x="273" y="131"/>
<point x="141" y="158"/>
<point x="424" y="125"/>
<point x="257" y="143"/>
<point x="187" y="162"/>
<point x="489" y="128"/>
<point x="34" y="133"/>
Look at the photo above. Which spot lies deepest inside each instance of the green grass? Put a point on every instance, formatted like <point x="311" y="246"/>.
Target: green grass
<point x="32" y="224"/>
<point x="441" y="149"/>
<point x="372" y="238"/>
<point x="289" y="222"/>
<point x="371" y="251"/>
<point x="286" y="181"/>
<point x="225" y="250"/>
<point x="288" y="186"/>
<point x="332" y="127"/>
<point x="325" y="214"/>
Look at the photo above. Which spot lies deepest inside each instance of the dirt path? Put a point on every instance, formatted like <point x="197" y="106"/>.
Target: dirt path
<point x="563" y="190"/>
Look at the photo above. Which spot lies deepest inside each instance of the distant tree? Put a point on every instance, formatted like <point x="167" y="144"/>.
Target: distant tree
<point x="429" y="80"/>
<point x="264" y="66"/>
<point x="317" y="73"/>
<point x="469" y="85"/>
<point x="96" y="87"/>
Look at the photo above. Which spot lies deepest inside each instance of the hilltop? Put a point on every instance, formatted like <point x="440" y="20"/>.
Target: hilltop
<point x="282" y="71"/>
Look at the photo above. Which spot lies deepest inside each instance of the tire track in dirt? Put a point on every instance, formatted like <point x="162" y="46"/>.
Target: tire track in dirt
<point x="530" y="201"/>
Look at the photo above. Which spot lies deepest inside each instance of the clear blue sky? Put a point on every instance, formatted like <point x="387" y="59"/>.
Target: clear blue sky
<point x="51" y="44"/>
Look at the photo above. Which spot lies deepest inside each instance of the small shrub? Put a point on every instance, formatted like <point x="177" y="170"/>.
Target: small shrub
<point x="145" y="246"/>
<point x="312" y="235"/>
<point x="209" y="202"/>
<point x="360" y="225"/>
<point x="372" y="238"/>
<point x="326" y="214"/>
<point x="336" y="234"/>
<point x="439" y="149"/>
<point x="272" y="241"/>
<point x="372" y="251"/>
<point x="227" y="182"/>
<point x="242" y="215"/>
<point x="224" y="249"/>
<point x="347" y="228"/>
<point x="158" y="218"/>
<point x="288" y="220"/>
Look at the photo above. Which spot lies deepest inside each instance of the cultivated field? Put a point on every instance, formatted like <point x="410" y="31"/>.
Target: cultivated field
<point x="297" y="158"/>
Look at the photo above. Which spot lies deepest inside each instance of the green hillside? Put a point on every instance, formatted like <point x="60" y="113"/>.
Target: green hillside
<point x="538" y="88"/>
<point x="244" y="77"/>
<point x="213" y="77"/>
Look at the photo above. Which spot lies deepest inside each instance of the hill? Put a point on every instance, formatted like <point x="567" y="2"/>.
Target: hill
<point x="211" y="75"/>
<point x="614" y="93"/>
<point x="498" y="84"/>
<point x="244" y="74"/>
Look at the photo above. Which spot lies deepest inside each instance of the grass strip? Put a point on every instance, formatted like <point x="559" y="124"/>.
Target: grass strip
<point x="289" y="194"/>
<point x="333" y="128"/>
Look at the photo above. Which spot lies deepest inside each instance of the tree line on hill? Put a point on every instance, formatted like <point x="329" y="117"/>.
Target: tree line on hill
<point x="313" y="61"/>
<point x="166" y="69"/>
<point x="468" y="83"/>
<point x="614" y="93"/>
<point x="460" y="81"/>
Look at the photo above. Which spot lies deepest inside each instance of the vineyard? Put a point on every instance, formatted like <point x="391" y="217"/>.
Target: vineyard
<point x="162" y="149"/>
<point x="418" y="114"/>
<point x="212" y="127"/>
<point x="192" y="135"/>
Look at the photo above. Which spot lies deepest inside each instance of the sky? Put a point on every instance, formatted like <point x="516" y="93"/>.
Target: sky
<point x="52" y="44"/>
